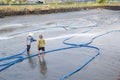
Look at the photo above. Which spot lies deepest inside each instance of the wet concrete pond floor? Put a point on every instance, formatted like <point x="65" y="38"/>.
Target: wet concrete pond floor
<point x="100" y="27"/>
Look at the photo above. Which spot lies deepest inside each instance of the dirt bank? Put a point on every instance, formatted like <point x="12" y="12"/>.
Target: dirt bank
<point x="26" y="11"/>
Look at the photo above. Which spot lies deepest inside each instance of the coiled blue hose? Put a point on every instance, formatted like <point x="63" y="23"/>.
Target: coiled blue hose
<point x="18" y="57"/>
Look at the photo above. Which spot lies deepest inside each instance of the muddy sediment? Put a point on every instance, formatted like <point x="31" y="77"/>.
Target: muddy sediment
<point x="26" y="11"/>
<point x="112" y="7"/>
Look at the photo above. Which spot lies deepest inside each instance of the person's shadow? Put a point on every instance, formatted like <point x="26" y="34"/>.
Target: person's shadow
<point x="43" y="67"/>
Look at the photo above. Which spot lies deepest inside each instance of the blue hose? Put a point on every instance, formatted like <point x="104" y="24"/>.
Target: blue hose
<point x="85" y="45"/>
<point x="13" y="56"/>
<point x="17" y="57"/>
<point x="11" y="63"/>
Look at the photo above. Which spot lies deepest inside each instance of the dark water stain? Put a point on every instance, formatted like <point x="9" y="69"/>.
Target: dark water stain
<point x="49" y="23"/>
<point x="8" y="30"/>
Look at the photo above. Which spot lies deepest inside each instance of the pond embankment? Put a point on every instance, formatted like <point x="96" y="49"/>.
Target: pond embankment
<point x="27" y="11"/>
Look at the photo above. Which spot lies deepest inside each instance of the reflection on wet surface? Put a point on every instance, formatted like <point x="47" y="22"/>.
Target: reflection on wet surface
<point x="32" y="63"/>
<point x="43" y="66"/>
<point x="119" y="76"/>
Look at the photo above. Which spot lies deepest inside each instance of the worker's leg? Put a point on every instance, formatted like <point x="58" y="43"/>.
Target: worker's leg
<point x="43" y="53"/>
<point x="38" y="51"/>
<point x="43" y="49"/>
<point x="28" y="49"/>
